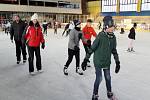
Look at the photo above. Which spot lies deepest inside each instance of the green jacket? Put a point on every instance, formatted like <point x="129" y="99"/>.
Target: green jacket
<point x="103" y="46"/>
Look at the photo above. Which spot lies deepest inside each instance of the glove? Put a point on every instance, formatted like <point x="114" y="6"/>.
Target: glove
<point x="117" y="66"/>
<point x="43" y="45"/>
<point x="84" y="64"/>
<point x="89" y="43"/>
<point x="80" y="36"/>
<point x="76" y="48"/>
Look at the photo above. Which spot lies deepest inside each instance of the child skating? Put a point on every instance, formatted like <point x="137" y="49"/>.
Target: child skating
<point x="73" y="48"/>
<point x="103" y="46"/>
<point x="131" y="37"/>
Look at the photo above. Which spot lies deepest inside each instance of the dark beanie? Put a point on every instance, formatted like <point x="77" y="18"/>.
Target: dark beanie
<point x="76" y="22"/>
<point x="108" y="22"/>
<point x="135" y="24"/>
<point x="89" y="20"/>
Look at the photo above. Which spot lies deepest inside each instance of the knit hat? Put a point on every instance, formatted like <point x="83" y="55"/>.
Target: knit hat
<point x="76" y="23"/>
<point x="135" y="24"/>
<point x="89" y="20"/>
<point x="108" y="22"/>
<point x="34" y="16"/>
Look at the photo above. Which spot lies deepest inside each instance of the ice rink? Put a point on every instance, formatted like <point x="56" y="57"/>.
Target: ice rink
<point x="131" y="83"/>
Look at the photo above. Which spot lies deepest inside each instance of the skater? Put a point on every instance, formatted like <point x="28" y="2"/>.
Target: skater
<point x="122" y="31"/>
<point x="33" y="38"/>
<point x="7" y="28"/>
<point x="103" y="46"/>
<point x="16" y="32"/>
<point x="99" y="25"/>
<point x="66" y="30"/>
<point x="88" y="32"/>
<point x="45" y="27"/>
<point x="73" y="47"/>
<point x="131" y="37"/>
<point x="55" y="26"/>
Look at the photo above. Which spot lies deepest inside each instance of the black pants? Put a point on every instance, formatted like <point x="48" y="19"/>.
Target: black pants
<point x="20" y="48"/>
<point x="55" y="30"/>
<point x="45" y="31"/>
<point x="72" y="53"/>
<point x="86" y="49"/>
<point x="31" y="51"/>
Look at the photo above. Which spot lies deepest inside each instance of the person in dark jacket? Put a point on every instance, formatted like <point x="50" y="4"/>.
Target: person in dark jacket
<point x="131" y="37"/>
<point x="103" y="46"/>
<point x="16" y="32"/>
<point x="66" y="29"/>
<point x="34" y="37"/>
<point x="75" y="36"/>
<point x="45" y="27"/>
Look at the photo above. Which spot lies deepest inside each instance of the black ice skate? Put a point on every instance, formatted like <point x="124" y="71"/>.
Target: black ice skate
<point x="132" y="50"/>
<point x="24" y="61"/>
<point x="65" y="71"/>
<point x="128" y="50"/>
<point x="95" y="97"/>
<point x="18" y="62"/>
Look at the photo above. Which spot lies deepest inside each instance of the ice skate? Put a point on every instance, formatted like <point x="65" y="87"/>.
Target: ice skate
<point x="18" y="62"/>
<point x="24" y="61"/>
<point x="79" y="71"/>
<point x="65" y="71"/>
<point x="40" y="71"/>
<point x="95" y="97"/>
<point x="128" y="50"/>
<point x="132" y="50"/>
<point x="32" y="73"/>
<point x="111" y="96"/>
<point x="88" y="64"/>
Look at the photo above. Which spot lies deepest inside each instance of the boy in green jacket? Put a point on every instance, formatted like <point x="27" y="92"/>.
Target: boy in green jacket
<point x="103" y="46"/>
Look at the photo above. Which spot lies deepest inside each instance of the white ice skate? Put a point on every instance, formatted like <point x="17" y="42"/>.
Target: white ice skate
<point x="111" y="96"/>
<point x="88" y="64"/>
<point x="79" y="71"/>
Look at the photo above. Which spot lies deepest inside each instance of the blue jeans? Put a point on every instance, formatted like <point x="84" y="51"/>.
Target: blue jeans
<point x="99" y="79"/>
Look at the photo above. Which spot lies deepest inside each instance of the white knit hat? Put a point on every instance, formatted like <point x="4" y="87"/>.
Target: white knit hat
<point x="34" y="16"/>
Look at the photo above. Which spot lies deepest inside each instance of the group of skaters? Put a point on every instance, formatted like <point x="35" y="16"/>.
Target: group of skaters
<point x="104" y="45"/>
<point x="30" y="36"/>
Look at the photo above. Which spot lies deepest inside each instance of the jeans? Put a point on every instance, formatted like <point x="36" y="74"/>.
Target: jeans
<point x="99" y="79"/>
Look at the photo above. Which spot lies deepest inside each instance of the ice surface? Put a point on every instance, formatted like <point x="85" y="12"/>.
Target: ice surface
<point x="132" y="83"/>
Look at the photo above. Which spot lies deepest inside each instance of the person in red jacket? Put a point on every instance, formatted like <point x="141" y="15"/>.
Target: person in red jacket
<point x="88" y="32"/>
<point x="34" y="38"/>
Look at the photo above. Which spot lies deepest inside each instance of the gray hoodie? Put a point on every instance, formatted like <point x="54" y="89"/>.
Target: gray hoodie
<point x="74" y="38"/>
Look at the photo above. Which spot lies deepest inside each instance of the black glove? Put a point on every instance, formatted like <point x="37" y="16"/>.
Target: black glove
<point x="76" y="48"/>
<point x="43" y="45"/>
<point x="117" y="66"/>
<point x="80" y="36"/>
<point x="89" y="43"/>
<point x="84" y="64"/>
